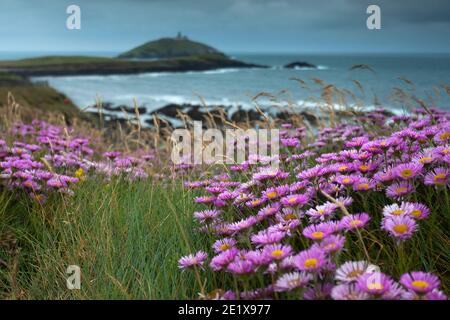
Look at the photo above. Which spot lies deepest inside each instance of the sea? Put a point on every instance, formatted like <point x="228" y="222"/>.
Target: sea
<point x="379" y="77"/>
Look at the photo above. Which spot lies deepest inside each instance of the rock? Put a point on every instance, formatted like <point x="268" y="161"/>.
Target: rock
<point x="244" y="115"/>
<point x="109" y="107"/>
<point x="300" y="65"/>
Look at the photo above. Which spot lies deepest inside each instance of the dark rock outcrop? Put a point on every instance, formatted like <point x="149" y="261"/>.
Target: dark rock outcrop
<point x="300" y="65"/>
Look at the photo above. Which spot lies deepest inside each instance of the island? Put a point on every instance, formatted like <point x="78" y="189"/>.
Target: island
<point x="174" y="55"/>
<point x="165" y="48"/>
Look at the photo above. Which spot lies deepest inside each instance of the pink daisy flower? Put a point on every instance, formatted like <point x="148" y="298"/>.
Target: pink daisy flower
<point x="205" y="199"/>
<point x="277" y="251"/>
<point x="350" y="271"/>
<point x="400" y="227"/>
<point x="206" y="215"/>
<point x="398" y="190"/>
<point x="320" y="212"/>
<point x="269" y="211"/>
<point x="292" y="281"/>
<point x="435" y="295"/>
<point x="408" y="171"/>
<point x="439" y="176"/>
<point x="332" y="243"/>
<point x="419" y="211"/>
<point x="397" y="210"/>
<point x="266" y="237"/>
<point x="243" y="224"/>
<point x="347" y="180"/>
<point x="354" y="221"/>
<point x="348" y="292"/>
<point x="224" y="244"/>
<point x="223" y="259"/>
<point x="364" y="184"/>
<point x="192" y="260"/>
<point x="294" y="200"/>
<point x="241" y="267"/>
<point x="312" y="259"/>
<point x="375" y="283"/>
<point x="420" y="282"/>
<point x="317" y="231"/>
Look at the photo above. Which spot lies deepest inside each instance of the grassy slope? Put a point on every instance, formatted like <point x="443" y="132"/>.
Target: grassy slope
<point x="169" y="47"/>
<point x="40" y="97"/>
<point x="51" y="60"/>
<point x="8" y="77"/>
<point x="84" y="65"/>
<point x="126" y="238"/>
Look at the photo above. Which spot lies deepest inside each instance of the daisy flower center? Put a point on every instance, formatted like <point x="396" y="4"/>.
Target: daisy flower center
<point x="425" y="159"/>
<point x="375" y="286"/>
<point x="342" y="168"/>
<point x="439" y="178"/>
<point x="225" y="246"/>
<point x="406" y="173"/>
<point x="363" y="186"/>
<point x="294" y="283"/>
<point x="416" y="213"/>
<point x="292" y="200"/>
<point x="317" y="235"/>
<point x="401" y="190"/>
<point x="277" y="253"/>
<point x="346" y="180"/>
<point x="364" y="167"/>
<point x="397" y="212"/>
<point x="311" y="263"/>
<point x="355" y="273"/>
<point x="419" y="284"/>
<point x="401" y="228"/>
<point x="356" y="222"/>
<point x="290" y="216"/>
<point x="272" y="194"/>
<point x="28" y="183"/>
<point x="445" y="136"/>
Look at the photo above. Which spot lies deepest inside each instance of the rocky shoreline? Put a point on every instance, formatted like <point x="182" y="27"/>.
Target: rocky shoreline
<point x="173" y="114"/>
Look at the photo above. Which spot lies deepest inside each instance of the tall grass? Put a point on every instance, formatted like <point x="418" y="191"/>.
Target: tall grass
<point x="126" y="238"/>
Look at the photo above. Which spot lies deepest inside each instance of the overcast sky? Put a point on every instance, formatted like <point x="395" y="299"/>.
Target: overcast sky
<point x="230" y="25"/>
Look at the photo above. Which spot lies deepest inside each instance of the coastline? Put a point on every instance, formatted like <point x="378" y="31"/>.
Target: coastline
<point x="85" y="65"/>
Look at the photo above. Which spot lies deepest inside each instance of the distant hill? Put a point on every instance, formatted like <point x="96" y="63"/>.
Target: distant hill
<point x="177" y="47"/>
<point x="85" y="65"/>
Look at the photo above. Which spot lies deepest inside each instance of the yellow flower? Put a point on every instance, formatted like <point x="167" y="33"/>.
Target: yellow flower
<point x="79" y="174"/>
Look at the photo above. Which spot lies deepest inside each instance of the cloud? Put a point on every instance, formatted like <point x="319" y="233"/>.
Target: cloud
<point x="232" y="25"/>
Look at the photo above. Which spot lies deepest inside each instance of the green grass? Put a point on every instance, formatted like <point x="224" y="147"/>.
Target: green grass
<point x="85" y="65"/>
<point x="126" y="237"/>
<point x="52" y="60"/>
<point x="42" y="98"/>
<point x="4" y="76"/>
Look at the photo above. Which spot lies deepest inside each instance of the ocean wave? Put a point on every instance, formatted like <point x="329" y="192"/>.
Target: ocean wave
<point x="319" y="67"/>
